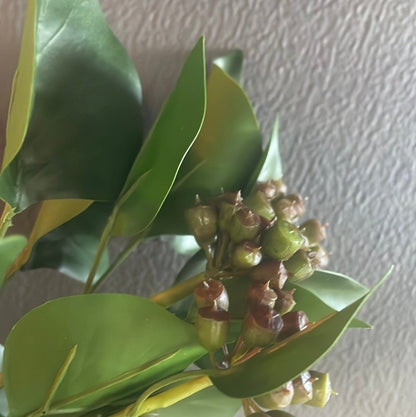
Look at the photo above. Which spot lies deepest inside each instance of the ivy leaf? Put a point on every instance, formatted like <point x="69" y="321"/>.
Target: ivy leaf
<point x="4" y="409"/>
<point x="231" y="63"/>
<point x="156" y="166"/>
<point x="10" y="247"/>
<point x="282" y="362"/>
<point x="75" y="105"/>
<point x="270" y="164"/>
<point x="226" y="151"/>
<point x="206" y="403"/>
<point x="124" y="344"/>
<point x="71" y="247"/>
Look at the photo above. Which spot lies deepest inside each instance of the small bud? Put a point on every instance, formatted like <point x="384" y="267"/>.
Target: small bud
<point x="202" y="222"/>
<point x="261" y="326"/>
<point x="244" y="225"/>
<point x="261" y="295"/>
<point x="321" y="389"/>
<point x="228" y="204"/>
<point x="314" y="231"/>
<point x="302" y="388"/>
<point x="299" y="266"/>
<point x="268" y="189"/>
<point x="281" y="187"/>
<point x="293" y="322"/>
<point x="282" y="240"/>
<point x="277" y="399"/>
<point x="318" y="256"/>
<point x="212" y="327"/>
<point x="289" y="207"/>
<point x="259" y="203"/>
<point x="246" y="255"/>
<point x="284" y="302"/>
<point x="270" y="270"/>
<point x="211" y="293"/>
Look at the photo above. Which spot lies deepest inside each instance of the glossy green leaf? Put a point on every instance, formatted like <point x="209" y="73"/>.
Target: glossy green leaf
<point x="10" y="248"/>
<point x="4" y="409"/>
<point x="226" y="151"/>
<point x="75" y="105"/>
<point x="156" y="167"/>
<point x="207" y="403"/>
<point x="124" y="344"/>
<point x="231" y="63"/>
<point x="270" y="164"/>
<point x="284" y="361"/>
<point x="71" y="247"/>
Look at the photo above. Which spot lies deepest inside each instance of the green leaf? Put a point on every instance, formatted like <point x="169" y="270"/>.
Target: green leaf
<point x="207" y="403"/>
<point x="231" y="63"/>
<point x="71" y="247"/>
<point x="282" y="362"/>
<point x="226" y="151"/>
<point x="124" y="344"/>
<point x="270" y="164"/>
<point x="75" y="105"/>
<point x="156" y="167"/>
<point x="4" y="409"/>
<point x="10" y="248"/>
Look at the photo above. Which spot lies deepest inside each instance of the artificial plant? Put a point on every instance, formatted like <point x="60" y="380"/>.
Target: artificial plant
<point x="251" y="308"/>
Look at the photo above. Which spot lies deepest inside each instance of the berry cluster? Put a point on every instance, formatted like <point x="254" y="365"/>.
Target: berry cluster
<point x="259" y="238"/>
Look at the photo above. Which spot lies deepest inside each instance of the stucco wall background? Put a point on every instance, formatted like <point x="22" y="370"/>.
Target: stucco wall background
<point x="341" y="75"/>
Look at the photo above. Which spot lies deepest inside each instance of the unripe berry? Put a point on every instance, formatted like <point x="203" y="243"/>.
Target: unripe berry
<point x="244" y="225"/>
<point x="277" y="399"/>
<point x="321" y="387"/>
<point x="246" y="255"/>
<point x="212" y="328"/>
<point x="313" y="230"/>
<point x="259" y="204"/>
<point x="299" y="266"/>
<point x="202" y="222"/>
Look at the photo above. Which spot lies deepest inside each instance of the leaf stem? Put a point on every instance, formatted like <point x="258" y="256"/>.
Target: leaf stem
<point x="122" y="256"/>
<point x="177" y="292"/>
<point x="6" y="219"/>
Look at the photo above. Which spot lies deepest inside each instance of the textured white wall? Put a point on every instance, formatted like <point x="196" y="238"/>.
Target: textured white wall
<point x="341" y="74"/>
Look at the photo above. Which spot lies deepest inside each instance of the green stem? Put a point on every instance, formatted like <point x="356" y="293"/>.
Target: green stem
<point x="6" y="219"/>
<point x="122" y="256"/>
<point x="105" y="237"/>
<point x="169" y="397"/>
<point x="178" y="291"/>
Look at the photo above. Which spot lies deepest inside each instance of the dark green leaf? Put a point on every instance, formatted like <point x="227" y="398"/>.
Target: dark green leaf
<point x="284" y="361"/>
<point x="156" y="167"/>
<point x="75" y="108"/>
<point x="231" y="63"/>
<point x="124" y="344"/>
<point x="270" y="164"/>
<point x="4" y="409"/>
<point x="10" y="248"/>
<point x="207" y="403"/>
<point x="71" y="247"/>
<point x="226" y="151"/>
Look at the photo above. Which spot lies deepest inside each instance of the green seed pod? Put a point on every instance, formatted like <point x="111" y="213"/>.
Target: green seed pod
<point x="289" y="207"/>
<point x="261" y="295"/>
<point x="299" y="266"/>
<point x="302" y="386"/>
<point x="261" y="326"/>
<point x="313" y="230"/>
<point x="321" y="387"/>
<point x="284" y="302"/>
<point x="228" y="204"/>
<point x="272" y="271"/>
<point x="211" y="293"/>
<point x="244" y="225"/>
<point x="259" y="204"/>
<point x="282" y="240"/>
<point x="318" y="256"/>
<point x="202" y="222"/>
<point x="293" y="322"/>
<point x="246" y="255"/>
<point x="212" y="327"/>
<point x="280" y="398"/>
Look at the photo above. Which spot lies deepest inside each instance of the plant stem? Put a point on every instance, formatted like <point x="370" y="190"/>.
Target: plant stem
<point x="105" y="237"/>
<point x="165" y="399"/>
<point x="6" y="219"/>
<point x="178" y="291"/>
<point x="122" y="256"/>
